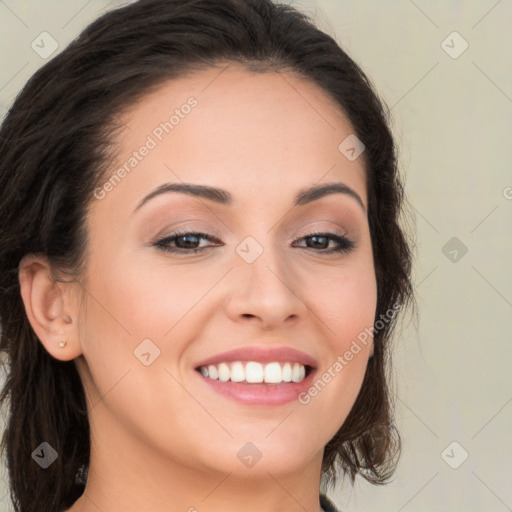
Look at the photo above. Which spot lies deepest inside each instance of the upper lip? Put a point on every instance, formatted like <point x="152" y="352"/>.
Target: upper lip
<point x="262" y="355"/>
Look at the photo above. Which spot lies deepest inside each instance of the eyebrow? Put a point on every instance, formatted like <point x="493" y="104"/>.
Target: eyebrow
<point x="220" y="196"/>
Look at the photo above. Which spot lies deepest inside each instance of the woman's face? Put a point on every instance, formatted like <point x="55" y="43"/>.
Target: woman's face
<point x="260" y="282"/>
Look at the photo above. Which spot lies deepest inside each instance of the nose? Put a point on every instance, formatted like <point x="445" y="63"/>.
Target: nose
<point x="265" y="292"/>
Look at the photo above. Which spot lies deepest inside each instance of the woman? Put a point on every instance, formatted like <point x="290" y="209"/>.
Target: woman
<point x="201" y="266"/>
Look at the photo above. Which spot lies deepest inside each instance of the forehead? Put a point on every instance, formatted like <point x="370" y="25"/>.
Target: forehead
<point x="265" y="132"/>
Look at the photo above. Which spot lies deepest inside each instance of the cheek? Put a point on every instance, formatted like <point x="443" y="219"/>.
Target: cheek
<point x="130" y="302"/>
<point x="346" y="300"/>
<point x="346" y="304"/>
<point x="148" y="298"/>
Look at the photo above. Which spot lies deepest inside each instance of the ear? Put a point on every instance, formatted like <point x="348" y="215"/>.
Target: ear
<point x="51" y="307"/>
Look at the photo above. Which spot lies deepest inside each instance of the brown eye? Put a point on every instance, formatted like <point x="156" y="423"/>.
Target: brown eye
<point x="185" y="241"/>
<point x="321" y="241"/>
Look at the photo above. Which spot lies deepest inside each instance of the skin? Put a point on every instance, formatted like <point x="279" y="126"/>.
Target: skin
<point x="162" y="440"/>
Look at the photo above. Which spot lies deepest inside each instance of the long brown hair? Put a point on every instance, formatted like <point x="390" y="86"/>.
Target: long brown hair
<point x="55" y="146"/>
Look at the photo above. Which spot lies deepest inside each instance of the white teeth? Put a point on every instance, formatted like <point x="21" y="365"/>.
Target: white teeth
<point x="273" y="373"/>
<point x="213" y="372"/>
<point x="302" y="373"/>
<point x="296" y="373"/>
<point x="287" y="372"/>
<point x="237" y="372"/>
<point x="254" y="372"/>
<point x="224" y="373"/>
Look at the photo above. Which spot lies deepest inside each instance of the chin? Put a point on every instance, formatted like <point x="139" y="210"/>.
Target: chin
<point x="257" y="456"/>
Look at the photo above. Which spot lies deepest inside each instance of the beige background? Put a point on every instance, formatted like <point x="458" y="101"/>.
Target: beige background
<point x="453" y="120"/>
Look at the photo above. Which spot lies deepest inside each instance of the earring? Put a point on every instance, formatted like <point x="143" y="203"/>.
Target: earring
<point x="62" y="344"/>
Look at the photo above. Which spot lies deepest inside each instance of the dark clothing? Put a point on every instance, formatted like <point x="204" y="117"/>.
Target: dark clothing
<point x="327" y="504"/>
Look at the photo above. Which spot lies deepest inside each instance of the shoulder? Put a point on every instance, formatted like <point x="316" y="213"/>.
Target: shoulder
<point x="327" y="504"/>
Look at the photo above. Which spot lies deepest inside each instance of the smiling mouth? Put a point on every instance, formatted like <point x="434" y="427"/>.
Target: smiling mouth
<point x="254" y="372"/>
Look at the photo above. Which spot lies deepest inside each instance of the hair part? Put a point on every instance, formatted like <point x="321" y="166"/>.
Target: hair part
<point x="57" y="145"/>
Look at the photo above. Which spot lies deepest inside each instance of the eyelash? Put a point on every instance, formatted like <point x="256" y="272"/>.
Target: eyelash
<point x="345" y="245"/>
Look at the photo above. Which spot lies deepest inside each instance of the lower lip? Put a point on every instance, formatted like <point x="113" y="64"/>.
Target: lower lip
<point x="260" y="394"/>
